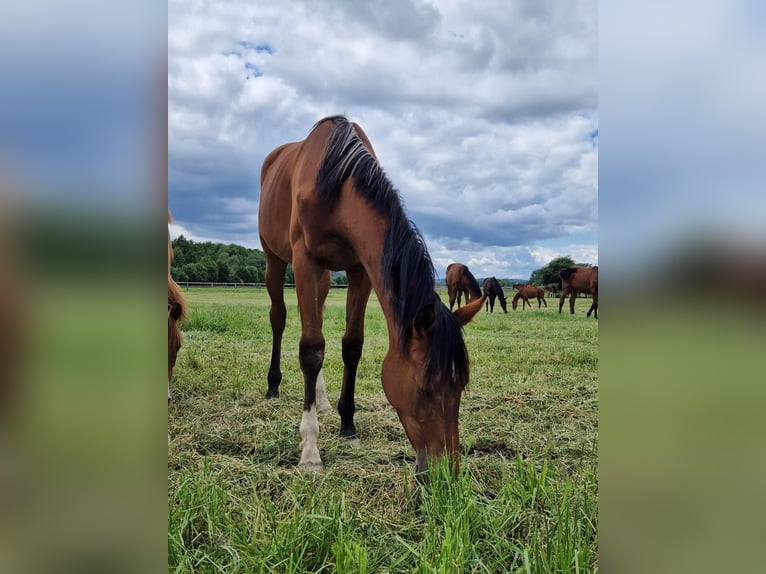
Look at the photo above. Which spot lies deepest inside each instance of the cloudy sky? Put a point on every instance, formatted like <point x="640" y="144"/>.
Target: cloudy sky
<point x="483" y="115"/>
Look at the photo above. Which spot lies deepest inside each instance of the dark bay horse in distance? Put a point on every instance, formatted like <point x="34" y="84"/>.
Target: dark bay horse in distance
<point x="176" y="313"/>
<point x="527" y="292"/>
<point x="492" y="290"/>
<point x="576" y="280"/>
<point x="550" y="289"/>
<point x="326" y="204"/>
<point x="460" y="281"/>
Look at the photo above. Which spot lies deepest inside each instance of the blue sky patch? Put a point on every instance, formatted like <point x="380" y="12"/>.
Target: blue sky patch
<point x="253" y="71"/>
<point x="259" y="48"/>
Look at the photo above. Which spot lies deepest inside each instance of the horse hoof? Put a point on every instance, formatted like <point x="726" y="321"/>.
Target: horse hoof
<point x="312" y="466"/>
<point x="272" y="394"/>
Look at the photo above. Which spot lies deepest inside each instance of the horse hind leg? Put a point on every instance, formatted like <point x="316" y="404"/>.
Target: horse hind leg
<point x="593" y="308"/>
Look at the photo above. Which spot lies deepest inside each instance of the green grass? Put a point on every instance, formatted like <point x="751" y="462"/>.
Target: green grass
<point x="525" y="500"/>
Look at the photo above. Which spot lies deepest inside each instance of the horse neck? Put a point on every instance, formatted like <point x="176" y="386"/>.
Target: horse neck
<point x="366" y="232"/>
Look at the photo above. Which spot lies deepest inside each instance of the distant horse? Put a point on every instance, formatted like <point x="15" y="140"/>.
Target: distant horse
<point x="576" y="280"/>
<point x="460" y="281"/>
<point x="493" y="289"/>
<point x="518" y="285"/>
<point x="326" y="204"/>
<point x="550" y="289"/>
<point x="527" y="292"/>
<point x="176" y="313"/>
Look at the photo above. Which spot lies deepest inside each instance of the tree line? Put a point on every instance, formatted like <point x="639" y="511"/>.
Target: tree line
<point x="208" y="262"/>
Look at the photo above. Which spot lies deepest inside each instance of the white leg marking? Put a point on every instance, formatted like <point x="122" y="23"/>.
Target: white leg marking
<point x="309" y="432"/>
<point x="323" y="405"/>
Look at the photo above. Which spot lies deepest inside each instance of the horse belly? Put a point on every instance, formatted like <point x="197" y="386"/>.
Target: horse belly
<point x="332" y="252"/>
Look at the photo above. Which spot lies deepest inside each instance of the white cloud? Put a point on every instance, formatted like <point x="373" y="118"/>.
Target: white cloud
<point x="481" y="115"/>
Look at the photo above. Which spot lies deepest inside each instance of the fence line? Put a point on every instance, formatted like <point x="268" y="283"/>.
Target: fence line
<point x="238" y="285"/>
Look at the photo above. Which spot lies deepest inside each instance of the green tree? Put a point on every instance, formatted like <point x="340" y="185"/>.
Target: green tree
<point x="223" y="271"/>
<point x="340" y="280"/>
<point x="549" y="275"/>
<point x="216" y="262"/>
<point x="209" y="269"/>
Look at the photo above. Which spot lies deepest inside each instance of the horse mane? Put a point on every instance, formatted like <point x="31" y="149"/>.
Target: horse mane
<point x="405" y="263"/>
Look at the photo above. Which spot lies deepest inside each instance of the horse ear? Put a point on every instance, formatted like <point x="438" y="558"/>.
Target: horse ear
<point x="424" y="320"/>
<point x="468" y="312"/>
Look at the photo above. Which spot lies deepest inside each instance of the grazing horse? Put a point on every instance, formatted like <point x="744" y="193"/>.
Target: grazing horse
<point x="326" y="204"/>
<point x="550" y="289"/>
<point x="576" y="280"/>
<point x="461" y="281"/>
<point x="493" y="289"/>
<point x="176" y="313"/>
<point x="527" y="292"/>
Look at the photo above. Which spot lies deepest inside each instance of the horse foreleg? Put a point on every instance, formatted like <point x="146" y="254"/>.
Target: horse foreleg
<point x="452" y="293"/>
<point x="359" y="288"/>
<point x="572" y="298"/>
<point x="311" y="284"/>
<point x="275" y="279"/>
<point x="564" y="293"/>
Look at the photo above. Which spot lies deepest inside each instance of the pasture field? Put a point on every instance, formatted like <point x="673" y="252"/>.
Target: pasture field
<point x="525" y="500"/>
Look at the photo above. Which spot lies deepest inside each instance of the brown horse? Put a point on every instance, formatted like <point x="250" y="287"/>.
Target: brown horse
<point x="576" y="280"/>
<point x="460" y="281"/>
<point x="176" y="313"/>
<point x="550" y="289"/>
<point x="493" y="289"/>
<point x="527" y="292"/>
<point x="326" y="204"/>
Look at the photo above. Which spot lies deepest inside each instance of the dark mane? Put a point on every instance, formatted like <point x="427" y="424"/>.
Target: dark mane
<point x="406" y="265"/>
